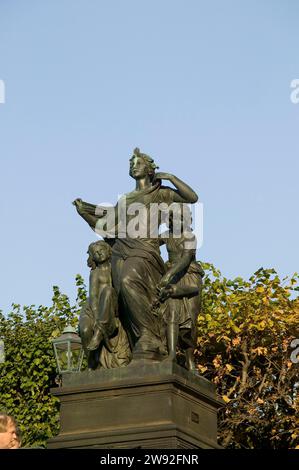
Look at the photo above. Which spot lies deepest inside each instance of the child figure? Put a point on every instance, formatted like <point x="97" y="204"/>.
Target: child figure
<point x="99" y="324"/>
<point x="180" y="292"/>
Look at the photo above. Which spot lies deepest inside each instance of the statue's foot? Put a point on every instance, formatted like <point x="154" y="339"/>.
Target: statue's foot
<point x="95" y="340"/>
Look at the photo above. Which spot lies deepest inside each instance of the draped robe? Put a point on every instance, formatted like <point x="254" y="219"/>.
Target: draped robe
<point x="137" y="267"/>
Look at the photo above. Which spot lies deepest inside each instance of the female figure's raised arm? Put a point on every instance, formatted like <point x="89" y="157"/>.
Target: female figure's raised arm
<point x="183" y="192"/>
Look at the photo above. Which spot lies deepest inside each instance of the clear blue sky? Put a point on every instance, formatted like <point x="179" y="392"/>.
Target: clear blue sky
<point x="202" y="86"/>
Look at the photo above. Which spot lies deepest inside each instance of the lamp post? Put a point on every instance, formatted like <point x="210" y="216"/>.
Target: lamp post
<point x="68" y="351"/>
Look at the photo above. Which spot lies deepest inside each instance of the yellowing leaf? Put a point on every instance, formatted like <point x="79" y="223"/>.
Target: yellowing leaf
<point x="260" y="351"/>
<point x="261" y="325"/>
<point x="260" y="289"/>
<point x="217" y="361"/>
<point x="236" y="329"/>
<point x="225" y="398"/>
<point x="236" y="341"/>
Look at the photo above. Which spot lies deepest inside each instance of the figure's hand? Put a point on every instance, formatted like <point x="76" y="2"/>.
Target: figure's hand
<point x="78" y="203"/>
<point x="162" y="176"/>
<point x="164" y="281"/>
<point x="100" y="212"/>
<point x="166" y="292"/>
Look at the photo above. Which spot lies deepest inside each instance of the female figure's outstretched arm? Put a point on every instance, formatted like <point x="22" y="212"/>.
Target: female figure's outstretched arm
<point x="89" y="212"/>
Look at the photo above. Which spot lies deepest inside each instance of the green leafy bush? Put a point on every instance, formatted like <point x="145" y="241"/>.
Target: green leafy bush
<point x="244" y="333"/>
<point x="29" y="369"/>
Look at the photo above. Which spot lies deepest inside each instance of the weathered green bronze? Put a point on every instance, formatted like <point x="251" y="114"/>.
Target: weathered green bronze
<point x="104" y="340"/>
<point x="153" y="405"/>
<point x="144" y="291"/>
<point x="179" y="291"/>
<point x="140" y="312"/>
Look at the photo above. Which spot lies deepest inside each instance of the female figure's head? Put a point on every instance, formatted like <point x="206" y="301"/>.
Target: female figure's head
<point x="142" y="166"/>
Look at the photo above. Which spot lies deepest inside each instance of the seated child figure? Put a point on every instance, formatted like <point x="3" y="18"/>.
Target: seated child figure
<point x="103" y="337"/>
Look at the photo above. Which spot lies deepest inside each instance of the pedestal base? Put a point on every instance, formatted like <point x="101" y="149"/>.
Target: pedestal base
<point x="143" y="405"/>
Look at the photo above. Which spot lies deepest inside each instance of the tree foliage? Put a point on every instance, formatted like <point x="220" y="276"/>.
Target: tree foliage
<point x="245" y="330"/>
<point x="29" y="370"/>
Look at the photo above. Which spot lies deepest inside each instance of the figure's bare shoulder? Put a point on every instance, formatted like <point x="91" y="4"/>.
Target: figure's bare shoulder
<point x="94" y="275"/>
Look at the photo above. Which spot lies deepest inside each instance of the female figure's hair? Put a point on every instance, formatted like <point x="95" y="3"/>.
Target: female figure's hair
<point x="150" y="162"/>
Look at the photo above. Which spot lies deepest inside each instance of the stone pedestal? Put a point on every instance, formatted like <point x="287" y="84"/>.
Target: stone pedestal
<point x="147" y="405"/>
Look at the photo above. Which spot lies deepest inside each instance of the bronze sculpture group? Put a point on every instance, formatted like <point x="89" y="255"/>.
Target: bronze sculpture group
<point x="140" y="307"/>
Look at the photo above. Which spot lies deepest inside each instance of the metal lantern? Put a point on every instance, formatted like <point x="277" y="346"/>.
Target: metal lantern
<point x="68" y="351"/>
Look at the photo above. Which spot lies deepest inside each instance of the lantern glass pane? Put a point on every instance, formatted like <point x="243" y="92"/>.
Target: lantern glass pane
<point x="68" y="352"/>
<point x="75" y="360"/>
<point x="63" y="358"/>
